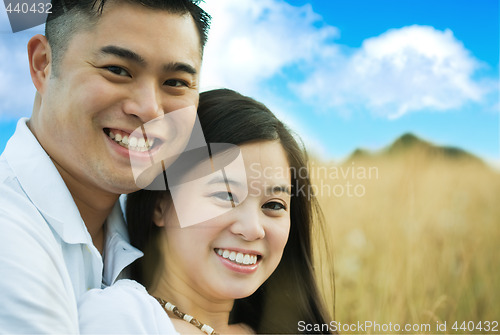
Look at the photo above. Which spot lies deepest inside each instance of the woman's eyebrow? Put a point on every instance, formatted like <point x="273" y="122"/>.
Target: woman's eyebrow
<point x="280" y="189"/>
<point x="219" y="179"/>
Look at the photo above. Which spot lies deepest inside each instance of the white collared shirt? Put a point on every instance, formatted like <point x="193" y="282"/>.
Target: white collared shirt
<point x="123" y="308"/>
<point x="47" y="258"/>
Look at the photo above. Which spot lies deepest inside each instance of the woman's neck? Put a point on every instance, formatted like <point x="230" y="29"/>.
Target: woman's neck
<point x="197" y="303"/>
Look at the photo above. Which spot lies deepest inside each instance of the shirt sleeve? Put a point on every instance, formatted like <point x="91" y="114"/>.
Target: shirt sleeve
<point x="123" y="308"/>
<point x="36" y="294"/>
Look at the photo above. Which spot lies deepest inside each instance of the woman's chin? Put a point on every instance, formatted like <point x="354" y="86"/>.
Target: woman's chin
<point x="238" y="292"/>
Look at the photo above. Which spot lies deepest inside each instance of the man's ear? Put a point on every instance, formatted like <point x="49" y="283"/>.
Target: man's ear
<point x="160" y="211"/>
<point x="40" y="60"/>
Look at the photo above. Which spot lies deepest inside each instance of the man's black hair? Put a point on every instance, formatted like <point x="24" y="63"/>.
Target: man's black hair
<point x="69" y="16"/>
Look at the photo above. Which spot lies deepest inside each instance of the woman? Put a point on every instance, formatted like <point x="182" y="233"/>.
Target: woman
<point x="229" y="271"/>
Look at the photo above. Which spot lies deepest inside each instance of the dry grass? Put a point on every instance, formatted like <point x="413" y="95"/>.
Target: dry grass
<point x="420" y="246"/>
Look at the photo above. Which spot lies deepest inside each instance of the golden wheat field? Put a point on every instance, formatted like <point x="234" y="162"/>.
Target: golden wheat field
<point x="417" y="243"/>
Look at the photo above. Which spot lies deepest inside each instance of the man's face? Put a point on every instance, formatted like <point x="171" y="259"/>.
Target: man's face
<point x="135" y="65"/>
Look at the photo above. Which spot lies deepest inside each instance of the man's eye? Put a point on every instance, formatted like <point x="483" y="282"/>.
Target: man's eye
<point x="118" y="71"/>
<point x="176" y="83"/>
<point x="274" y="205"/>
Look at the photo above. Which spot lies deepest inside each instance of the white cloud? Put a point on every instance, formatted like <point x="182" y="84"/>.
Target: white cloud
<point x="251" y="41"/>
<point x="403" y="70"/>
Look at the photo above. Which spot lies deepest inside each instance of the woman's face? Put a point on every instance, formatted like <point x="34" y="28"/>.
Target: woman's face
<point x="229" y="255"/>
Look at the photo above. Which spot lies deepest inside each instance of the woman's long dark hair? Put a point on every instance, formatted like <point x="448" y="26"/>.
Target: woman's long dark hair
<point x="291" y="293"/>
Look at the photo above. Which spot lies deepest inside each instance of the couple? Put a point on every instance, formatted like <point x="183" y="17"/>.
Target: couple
<point x="103" y="69"/>
<point x="245" y="269"/>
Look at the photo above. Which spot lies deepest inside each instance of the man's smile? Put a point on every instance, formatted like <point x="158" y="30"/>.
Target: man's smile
<point x="130" y="142"/>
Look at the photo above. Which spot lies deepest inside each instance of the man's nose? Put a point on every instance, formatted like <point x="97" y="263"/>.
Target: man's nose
<point x="145" y="102"/>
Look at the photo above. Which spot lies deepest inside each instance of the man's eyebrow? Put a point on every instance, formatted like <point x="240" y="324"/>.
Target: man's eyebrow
<point x="135" y="57"/>
<point x="123" y="53"/>
<point x="179" y="67"/>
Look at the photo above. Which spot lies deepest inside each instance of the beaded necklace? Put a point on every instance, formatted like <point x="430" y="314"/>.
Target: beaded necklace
<point x="168" y="307"/>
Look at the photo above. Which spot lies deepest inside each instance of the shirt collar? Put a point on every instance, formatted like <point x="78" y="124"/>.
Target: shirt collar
<point x="43" y="184"/>
<point x="119" y="252"/>
<point x="46" y="189"/>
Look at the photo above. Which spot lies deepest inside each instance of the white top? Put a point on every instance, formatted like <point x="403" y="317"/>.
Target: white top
<point x="123" y="308"/>
<point x="47" y="258"/>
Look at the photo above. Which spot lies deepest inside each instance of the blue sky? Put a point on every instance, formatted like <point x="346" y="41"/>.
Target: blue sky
<point x="343" y="74"/>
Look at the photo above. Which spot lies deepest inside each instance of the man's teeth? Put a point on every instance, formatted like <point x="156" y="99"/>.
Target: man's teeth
<point x="131" y="142"/>
<point x="238" y="257"/>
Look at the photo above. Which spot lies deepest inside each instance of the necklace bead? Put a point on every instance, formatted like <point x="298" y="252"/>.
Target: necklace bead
<point x="168" y="307"/>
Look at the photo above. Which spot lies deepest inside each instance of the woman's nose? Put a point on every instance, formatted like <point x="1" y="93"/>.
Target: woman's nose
<point x="248" y="223"/>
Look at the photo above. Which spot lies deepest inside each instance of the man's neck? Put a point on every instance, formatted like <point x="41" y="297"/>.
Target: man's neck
<point x="94" y="206"/>
<point x="93" y="203"/>
<point x="94" y="219"/>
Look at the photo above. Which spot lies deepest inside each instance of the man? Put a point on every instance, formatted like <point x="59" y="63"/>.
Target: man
<point x="103" y="69"/>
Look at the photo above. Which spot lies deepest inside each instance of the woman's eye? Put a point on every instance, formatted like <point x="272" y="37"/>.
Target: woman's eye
<point x="118" y="71"/>
<point x="176" y="83"/>
<point x="274" y="205"/>
<point x="225" y="196"/>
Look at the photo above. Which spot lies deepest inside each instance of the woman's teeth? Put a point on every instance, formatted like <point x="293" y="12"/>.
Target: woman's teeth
<point x="237" y="257"/>
<point x="132" y="143"/>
